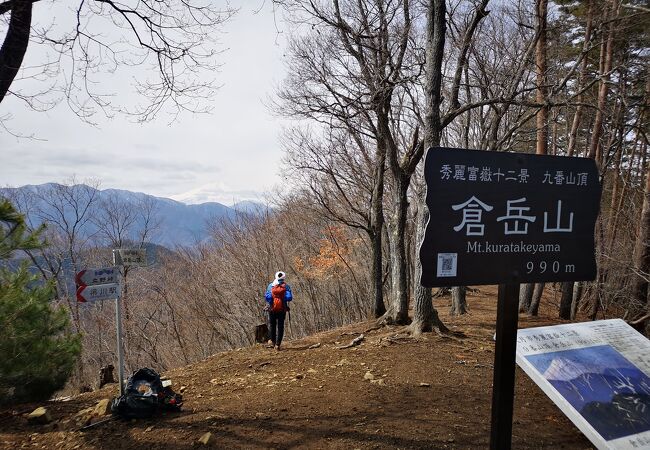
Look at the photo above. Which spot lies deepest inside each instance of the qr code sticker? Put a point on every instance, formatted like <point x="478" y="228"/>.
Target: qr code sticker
<point x="447" y="263"/>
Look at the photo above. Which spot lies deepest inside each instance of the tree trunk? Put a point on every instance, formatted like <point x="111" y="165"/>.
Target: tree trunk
<point x="425" y="316"/>
<point x="618" y="191"/>
<point x="596" y="302"/>
<point x="15" y="44"/>
<point x="458" y="301"/>
<point x="525" y="296"/>
<point x="577" y="118"/>
<point x="540" y="69"/>
<point x="377" y="224"/>
<point x="595" y="149"/>
<point x="537" y="299"/>
<point x="398" y="309"/>
<point x="642" y="250"/>
<point x="379" y="308"/>
<point x="541" y="119"/>
<point x="577" y="296"/>
<point x="566" y="301"/>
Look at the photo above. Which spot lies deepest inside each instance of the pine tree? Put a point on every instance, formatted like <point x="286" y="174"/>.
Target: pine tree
<point x="38" y="351"/>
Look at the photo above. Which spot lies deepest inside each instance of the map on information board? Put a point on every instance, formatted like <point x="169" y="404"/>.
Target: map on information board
<point x="598" y="374"/>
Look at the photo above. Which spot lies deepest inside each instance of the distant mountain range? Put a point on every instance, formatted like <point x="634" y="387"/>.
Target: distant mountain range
<point x="180" y="224"/>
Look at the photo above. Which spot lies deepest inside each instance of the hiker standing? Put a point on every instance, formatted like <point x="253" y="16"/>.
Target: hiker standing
<point x="278" y="295"/>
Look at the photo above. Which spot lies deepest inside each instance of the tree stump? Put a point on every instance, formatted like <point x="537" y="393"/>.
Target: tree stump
<point x="261" y="333"/>
<point x="106" y="375"/>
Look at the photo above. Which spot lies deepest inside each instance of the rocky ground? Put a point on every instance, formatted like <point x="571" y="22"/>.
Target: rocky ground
<point x="390" y="391"/>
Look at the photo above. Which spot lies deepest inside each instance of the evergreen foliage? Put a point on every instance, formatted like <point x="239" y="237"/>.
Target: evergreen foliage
<point x="13" y="232"/>
<point x="38" y="351"/>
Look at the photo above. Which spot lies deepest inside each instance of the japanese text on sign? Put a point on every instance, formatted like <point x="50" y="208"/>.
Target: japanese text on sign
<point x="131" y="257"/>
<point x="460" y="172"/>
<point x="506" y="217"/>
<point x="515" y="220"/>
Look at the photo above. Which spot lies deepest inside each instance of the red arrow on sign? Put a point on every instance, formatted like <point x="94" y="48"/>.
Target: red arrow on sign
<point x="80" y="289"/>
<point x="79" y="282"/>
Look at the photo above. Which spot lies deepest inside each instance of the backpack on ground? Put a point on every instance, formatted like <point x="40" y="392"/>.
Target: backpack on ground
<point x="278" y="292"/>
<point x="261" y="333"/>
<point x="145" y="396"/>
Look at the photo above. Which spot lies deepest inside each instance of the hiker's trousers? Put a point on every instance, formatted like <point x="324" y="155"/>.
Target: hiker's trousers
<point x="276" y="325"/>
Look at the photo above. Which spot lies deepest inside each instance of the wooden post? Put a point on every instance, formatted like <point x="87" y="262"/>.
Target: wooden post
<point x="503" y="390"/>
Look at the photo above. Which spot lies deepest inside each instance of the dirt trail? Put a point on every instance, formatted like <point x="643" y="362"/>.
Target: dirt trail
<point x="389" y="392"/>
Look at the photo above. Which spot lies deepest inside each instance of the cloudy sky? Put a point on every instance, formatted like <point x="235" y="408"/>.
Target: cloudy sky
<point x="229" y="155"/>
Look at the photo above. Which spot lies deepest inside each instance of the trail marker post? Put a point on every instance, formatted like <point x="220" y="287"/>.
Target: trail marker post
<point x="507" y="218"/>
<point x="104" y="284"/>
<point x="125" y="258"/>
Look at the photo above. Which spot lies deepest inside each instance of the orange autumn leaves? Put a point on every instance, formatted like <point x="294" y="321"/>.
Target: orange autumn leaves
<point x="336" y="252"/>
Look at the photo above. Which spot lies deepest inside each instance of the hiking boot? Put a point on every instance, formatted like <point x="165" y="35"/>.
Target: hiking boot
<point x="277" y="348"/>
<point x="269" y="343"/>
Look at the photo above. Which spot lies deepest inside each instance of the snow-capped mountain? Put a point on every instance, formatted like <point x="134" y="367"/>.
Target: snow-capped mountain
<point x="565" y="369"/>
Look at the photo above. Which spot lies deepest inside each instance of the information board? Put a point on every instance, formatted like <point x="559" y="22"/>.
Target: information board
<point x="598" y="374"/>
<point x="498" y="217"/>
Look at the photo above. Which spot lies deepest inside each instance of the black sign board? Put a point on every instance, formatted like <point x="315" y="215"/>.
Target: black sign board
<point x="501" y="217"/>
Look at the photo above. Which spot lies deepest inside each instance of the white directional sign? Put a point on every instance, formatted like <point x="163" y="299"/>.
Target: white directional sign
<point x="130" y="256"/>
<point x="598" y="374"/>
<point x="98" y="292"/>
<point x="104" y="275"/>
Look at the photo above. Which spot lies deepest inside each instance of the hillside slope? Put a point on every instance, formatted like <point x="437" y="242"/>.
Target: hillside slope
<point x="431" y="393"/>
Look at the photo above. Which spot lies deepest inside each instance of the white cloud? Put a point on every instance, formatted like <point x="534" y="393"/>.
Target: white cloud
<point x="231" y="154"/>
<point x="218" y="192"/>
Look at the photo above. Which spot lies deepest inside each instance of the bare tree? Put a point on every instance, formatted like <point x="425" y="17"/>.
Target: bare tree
<point x="347" y="74"/>
<point x="541" y="118"/>
<point x="568" y="302"/>
<point x="425" y="316"/>
<point x="336" y="171"/>
<point x="124" y="223"/>
<point x="175" y="38"/>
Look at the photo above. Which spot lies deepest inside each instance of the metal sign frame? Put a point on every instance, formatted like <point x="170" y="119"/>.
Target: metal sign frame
<point x="118" y="326"/>
<point x="108" y="281"/>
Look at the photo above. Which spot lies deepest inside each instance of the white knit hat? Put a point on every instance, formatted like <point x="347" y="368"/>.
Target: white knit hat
<point x="280" y="276"/>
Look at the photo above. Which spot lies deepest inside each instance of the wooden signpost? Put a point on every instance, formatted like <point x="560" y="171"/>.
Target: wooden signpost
<point x="508" y="218"/>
